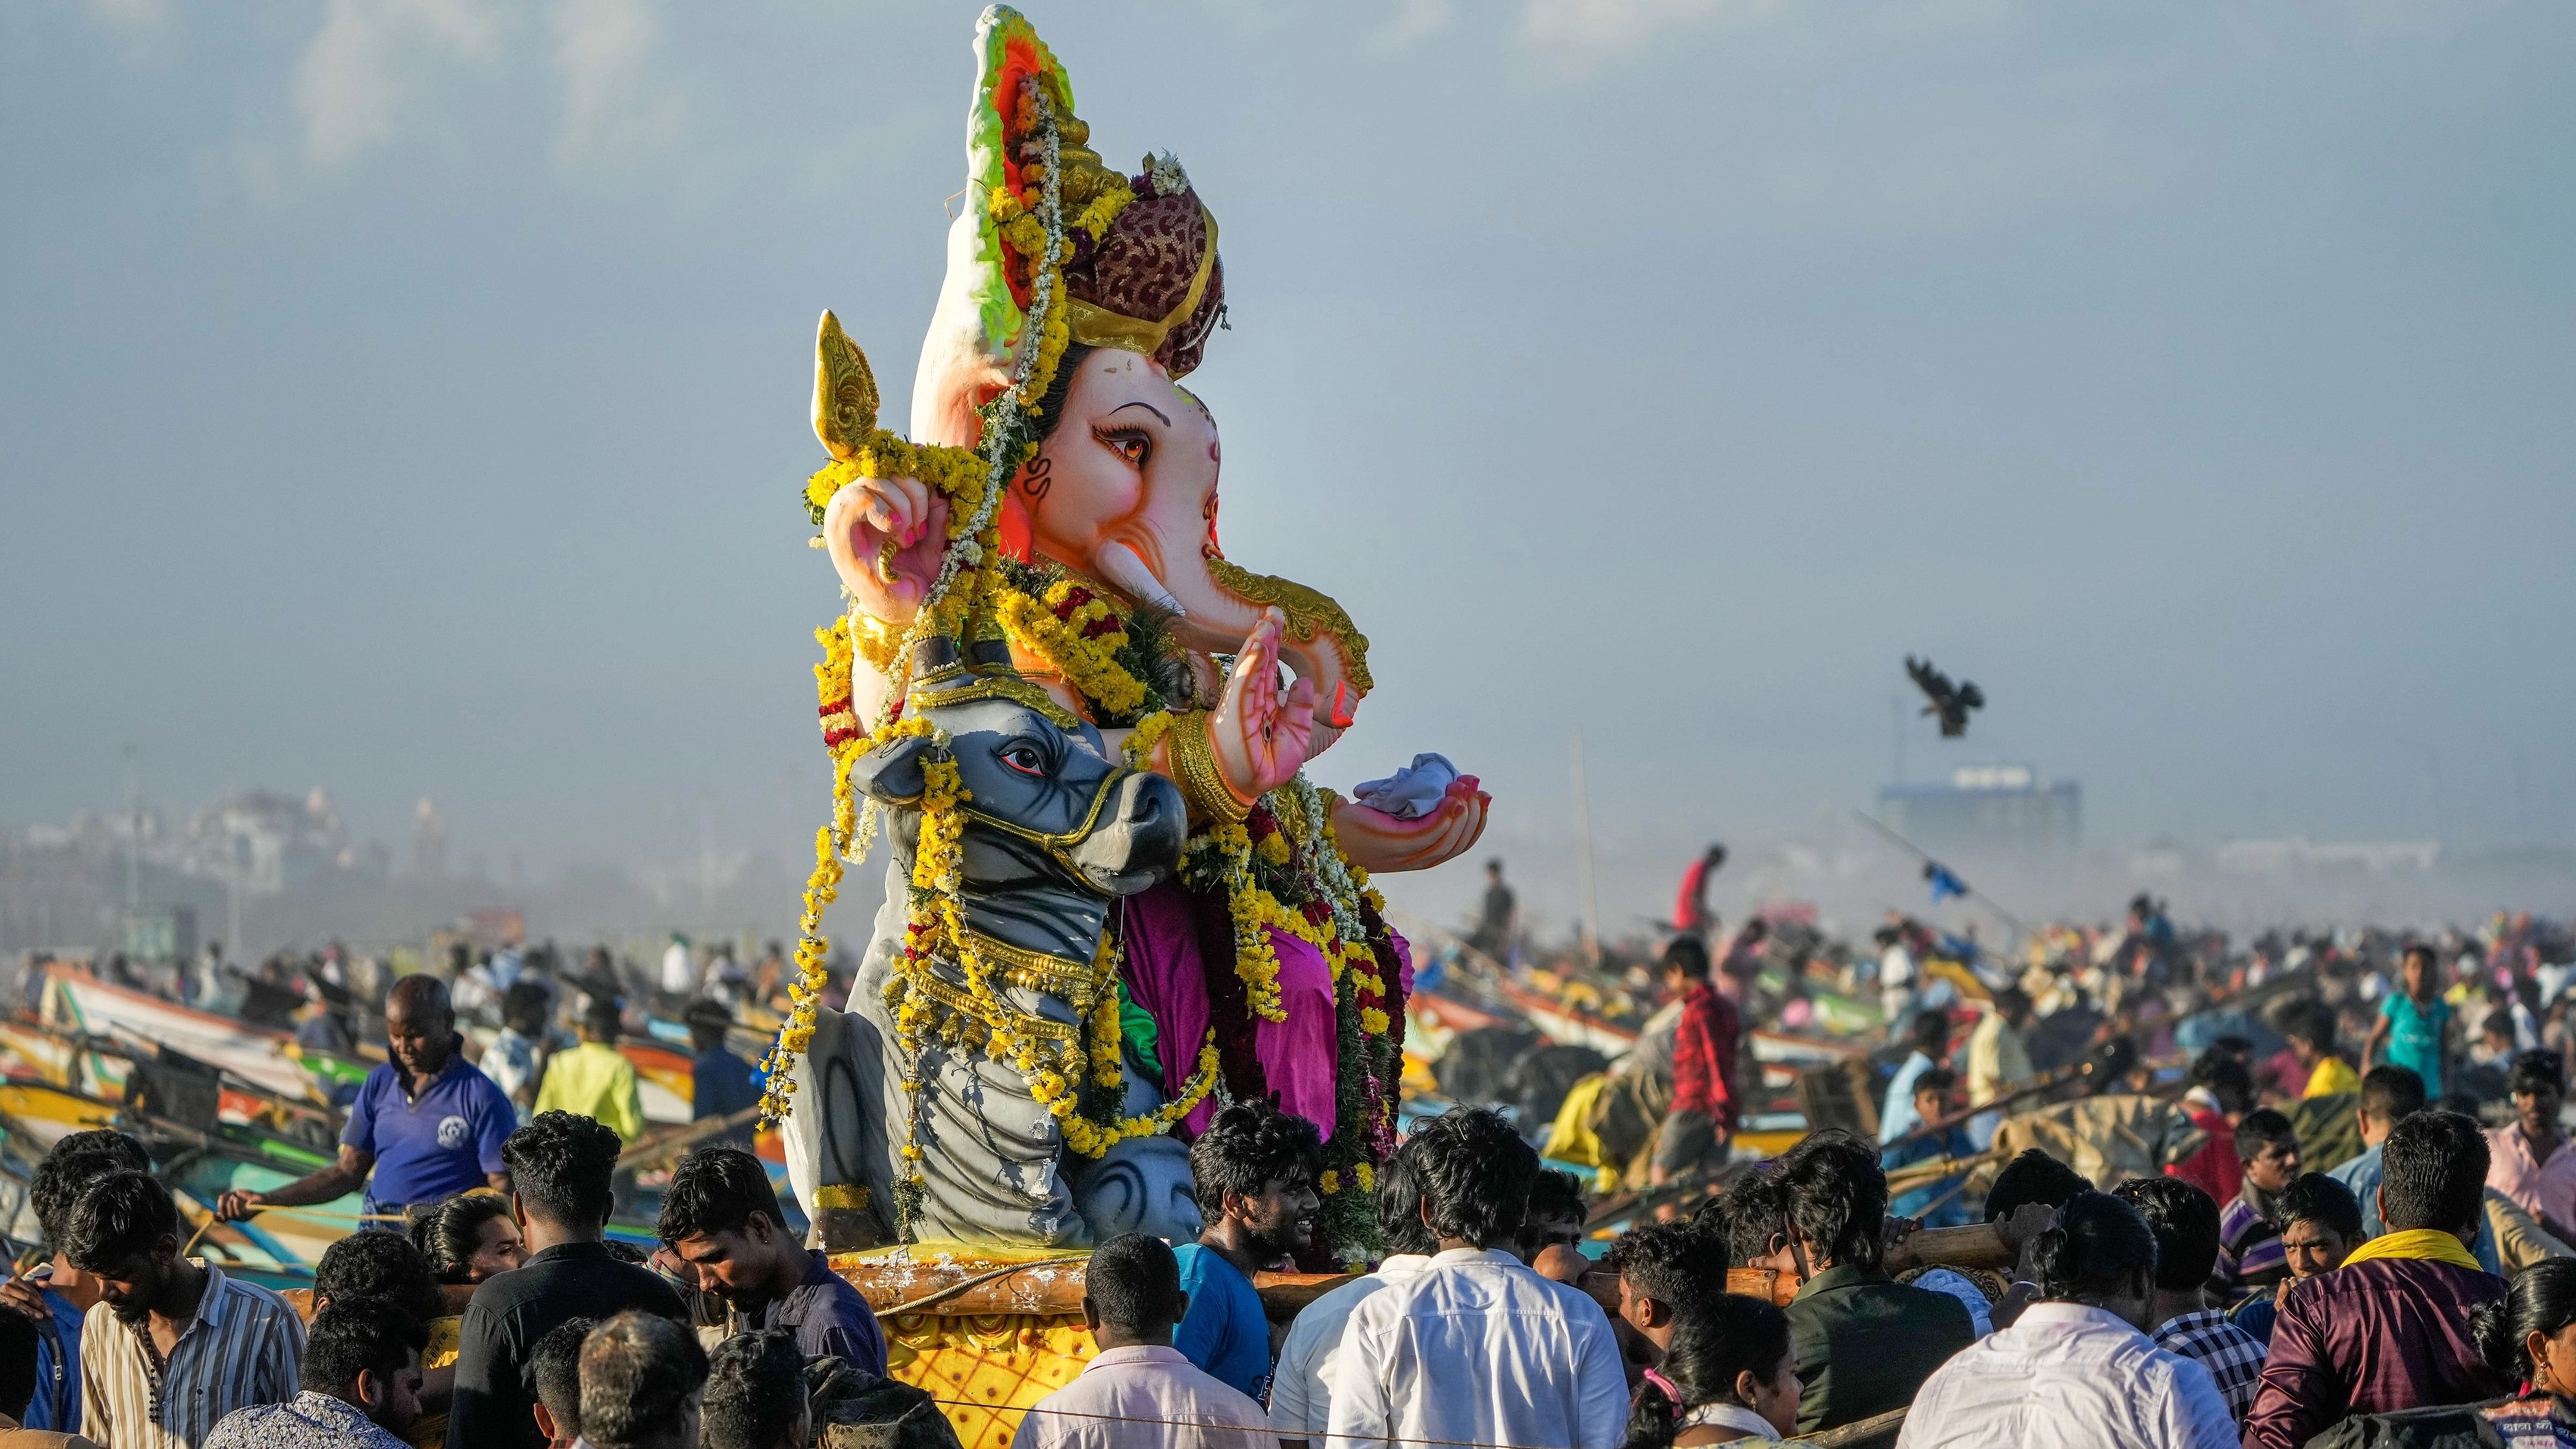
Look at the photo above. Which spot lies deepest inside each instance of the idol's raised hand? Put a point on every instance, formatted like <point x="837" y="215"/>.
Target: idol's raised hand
<point x="1259" y="734"/>
<point x="885" y="536"/>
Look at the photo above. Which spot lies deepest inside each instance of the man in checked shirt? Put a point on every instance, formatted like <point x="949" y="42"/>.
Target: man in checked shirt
<point x="2185" y="1222"/>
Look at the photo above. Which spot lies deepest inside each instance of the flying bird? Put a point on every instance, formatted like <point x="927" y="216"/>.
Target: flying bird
<point x="1950" y="701"/>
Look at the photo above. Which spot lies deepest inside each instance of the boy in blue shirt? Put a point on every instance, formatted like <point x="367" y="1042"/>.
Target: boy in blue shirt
<point x="57" y="1296"/>
<point x="1254" y="1171"/>
<point x="1935" y="1203"/>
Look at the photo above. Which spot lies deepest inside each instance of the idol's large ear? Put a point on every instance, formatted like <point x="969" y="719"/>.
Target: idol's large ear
<point x="845" y="391"/>
<point x="891" y="773"/>
<point x="975" y="333"/>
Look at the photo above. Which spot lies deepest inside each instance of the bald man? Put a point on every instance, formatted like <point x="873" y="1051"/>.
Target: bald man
<point x="426" y="1126"/>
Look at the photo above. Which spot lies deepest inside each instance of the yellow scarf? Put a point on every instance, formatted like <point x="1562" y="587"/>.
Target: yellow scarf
<point x="2429" y="1244"/>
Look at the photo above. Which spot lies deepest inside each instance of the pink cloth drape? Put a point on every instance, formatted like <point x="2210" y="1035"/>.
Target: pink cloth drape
<point x="1298" y="1056"/>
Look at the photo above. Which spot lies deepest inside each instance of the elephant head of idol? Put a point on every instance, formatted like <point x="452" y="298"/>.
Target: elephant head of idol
<point x="1123" y="489"/>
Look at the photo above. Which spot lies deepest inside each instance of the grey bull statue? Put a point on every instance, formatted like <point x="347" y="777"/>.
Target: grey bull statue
<point x="1057" y="831"/>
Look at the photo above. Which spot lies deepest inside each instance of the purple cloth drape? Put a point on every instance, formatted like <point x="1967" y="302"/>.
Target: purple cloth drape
<point x="1166" y="976"/>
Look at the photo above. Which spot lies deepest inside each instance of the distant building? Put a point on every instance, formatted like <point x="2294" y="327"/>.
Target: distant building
<point x="1990" y="809"/>
<point x="262" y="841"/>
<point x="2298" y="853"/>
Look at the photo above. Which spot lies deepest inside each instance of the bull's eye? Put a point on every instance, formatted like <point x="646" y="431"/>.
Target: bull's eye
<point x="1024" y="757"/>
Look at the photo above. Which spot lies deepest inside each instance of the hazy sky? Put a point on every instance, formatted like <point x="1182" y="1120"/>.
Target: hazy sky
<point x="409" y="395"/>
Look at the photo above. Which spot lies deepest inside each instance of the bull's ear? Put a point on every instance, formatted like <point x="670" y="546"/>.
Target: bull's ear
<point x="891" y="774"/>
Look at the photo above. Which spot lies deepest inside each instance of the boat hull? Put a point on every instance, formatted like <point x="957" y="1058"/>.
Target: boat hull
<point x="78" y="1003"/>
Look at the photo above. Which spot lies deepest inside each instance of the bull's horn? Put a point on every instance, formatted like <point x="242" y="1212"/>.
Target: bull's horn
<point x="934" y="654"/>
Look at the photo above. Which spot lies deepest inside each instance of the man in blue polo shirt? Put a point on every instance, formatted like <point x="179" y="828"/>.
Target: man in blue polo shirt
<point x="426" y="1124"/>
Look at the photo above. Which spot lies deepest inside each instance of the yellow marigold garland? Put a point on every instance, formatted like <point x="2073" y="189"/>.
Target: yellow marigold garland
<point x="1060" y="628"/>
<point x="1142" y="740"/>
<point x="954" y="472"/>
<point x="1104" y="209"/>
<point x="1256" y="962"/>
<point x="822" y="886"/>
<point x="937" y="927"/>
<point x="1108" y="1060"/>
<point x="1092" y="1140"/>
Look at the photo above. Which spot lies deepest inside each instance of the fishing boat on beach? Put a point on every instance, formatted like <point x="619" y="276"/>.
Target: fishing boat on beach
<point x="82" y="1006"/>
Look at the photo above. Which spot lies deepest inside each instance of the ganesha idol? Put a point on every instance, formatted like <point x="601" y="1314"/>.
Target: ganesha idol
<point x="1114" y="897"/>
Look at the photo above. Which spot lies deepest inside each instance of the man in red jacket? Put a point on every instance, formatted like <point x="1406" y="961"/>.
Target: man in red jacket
<point x="2390" y="1328"/>
<point x="1702" y="1120"/>
<point x="2222" y="1090"/>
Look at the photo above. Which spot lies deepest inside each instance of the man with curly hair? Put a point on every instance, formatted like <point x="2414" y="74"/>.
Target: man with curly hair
<point x="1254" y="1172"/>
<point x="1664" y="1268"/>
<point x="560" y="1167"/>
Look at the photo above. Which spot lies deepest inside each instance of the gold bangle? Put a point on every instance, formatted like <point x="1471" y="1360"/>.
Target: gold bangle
<point x="1194" y="769"/>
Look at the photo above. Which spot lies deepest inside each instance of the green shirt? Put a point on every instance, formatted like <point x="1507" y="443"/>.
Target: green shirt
<point x="1866" y="1342"/>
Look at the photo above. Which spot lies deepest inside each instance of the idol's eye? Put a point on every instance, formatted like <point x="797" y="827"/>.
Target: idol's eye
<point x="1132" y="445"/>
<point x="1024" y="757"/>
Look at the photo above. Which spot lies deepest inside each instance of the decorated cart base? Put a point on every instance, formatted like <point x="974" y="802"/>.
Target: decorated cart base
<point x="989" y="1350"/>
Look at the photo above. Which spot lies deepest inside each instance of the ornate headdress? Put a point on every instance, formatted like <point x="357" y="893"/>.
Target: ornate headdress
<point x="1134" y="257"/>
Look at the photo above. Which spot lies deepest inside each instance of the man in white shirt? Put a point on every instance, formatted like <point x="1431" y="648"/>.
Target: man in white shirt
<point x="1896" y="973"/>
<point x="1476" y="1348"/>
<point x="1138" y="1392"/>
<point x="1301" y="1397"/>
<point x="679" y="968"/>
<point x="2075" y="1371"/>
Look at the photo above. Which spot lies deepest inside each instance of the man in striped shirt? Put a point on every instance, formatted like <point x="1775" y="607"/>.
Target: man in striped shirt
<point x="2251" y="1258"/>
<point x="173" y="1345"/>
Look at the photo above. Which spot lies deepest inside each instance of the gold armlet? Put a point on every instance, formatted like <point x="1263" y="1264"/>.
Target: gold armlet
<point x="1194" y="769"/>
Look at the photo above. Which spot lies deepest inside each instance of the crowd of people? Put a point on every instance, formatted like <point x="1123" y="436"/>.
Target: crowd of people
<point x="484" y="1321"/>
<point x="508" y="1321"/>
<point x="2343" y="1252"/>
<point x="2147" y="1315"/>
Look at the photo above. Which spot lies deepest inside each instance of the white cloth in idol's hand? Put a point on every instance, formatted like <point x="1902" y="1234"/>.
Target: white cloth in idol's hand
<point x="1412" y="792"/>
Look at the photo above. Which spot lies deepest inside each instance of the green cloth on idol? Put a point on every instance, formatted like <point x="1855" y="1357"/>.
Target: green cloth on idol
<point x="1143" y="1038"/>
<point x="1866" y="1342"/>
